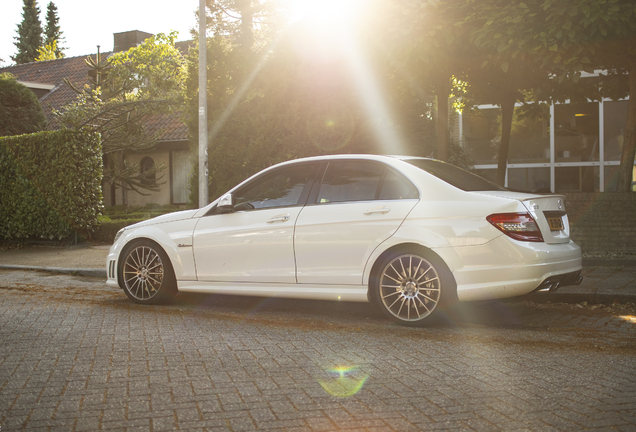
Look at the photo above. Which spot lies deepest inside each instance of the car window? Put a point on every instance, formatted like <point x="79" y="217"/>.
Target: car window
<point x="362" y="181"/>
<point x="396" y="187"/>
<point x="350" y="181"/>
<point x="282" y="188"/>
<point x="455" y="176"/>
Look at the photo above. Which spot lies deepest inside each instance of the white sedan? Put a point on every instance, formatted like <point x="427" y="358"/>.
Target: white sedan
<point x="411" y="235"/>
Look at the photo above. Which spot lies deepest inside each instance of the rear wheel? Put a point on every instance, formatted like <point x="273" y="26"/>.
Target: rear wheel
<point x="412" y="286"/>
<point x="146" y="274"/>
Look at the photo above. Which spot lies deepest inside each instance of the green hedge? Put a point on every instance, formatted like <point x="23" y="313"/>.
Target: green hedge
<point x="50" y="184"/>
<point x="108" y="228"/>
<point x="118" y="217"/>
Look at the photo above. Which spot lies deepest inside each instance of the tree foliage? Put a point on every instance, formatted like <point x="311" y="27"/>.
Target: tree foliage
<point x="127" y="90"/>
<point x="29" y="31"/>
<point x="278" y="92"/>
<point x="584" y="35"/>
<point x="20" y="109"/>
<point x="273" y="96"/>
<point x="48" y="52"/>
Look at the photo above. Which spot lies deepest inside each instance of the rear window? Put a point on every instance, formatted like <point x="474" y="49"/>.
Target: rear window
<point x="455" y="176"/>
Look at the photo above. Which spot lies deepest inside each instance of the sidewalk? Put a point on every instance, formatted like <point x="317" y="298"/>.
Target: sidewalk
<point x="82" y="259"/>
<point x="604" y="280"/>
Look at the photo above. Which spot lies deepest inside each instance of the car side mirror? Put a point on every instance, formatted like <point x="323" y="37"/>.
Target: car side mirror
<point x="226" y="204"/>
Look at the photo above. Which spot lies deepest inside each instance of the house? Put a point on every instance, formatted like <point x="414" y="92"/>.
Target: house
<point x="46" y="79"/>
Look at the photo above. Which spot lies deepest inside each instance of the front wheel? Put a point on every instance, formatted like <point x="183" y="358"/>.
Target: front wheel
<point x="146" y="274"/>
<point x="411" y="286"/>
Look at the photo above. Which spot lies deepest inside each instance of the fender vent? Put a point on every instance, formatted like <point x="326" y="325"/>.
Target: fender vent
<point x="111" y="269"/>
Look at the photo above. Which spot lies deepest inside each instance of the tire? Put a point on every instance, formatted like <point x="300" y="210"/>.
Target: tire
<point x="412" y="286"/>
<point x="146" y="274"/>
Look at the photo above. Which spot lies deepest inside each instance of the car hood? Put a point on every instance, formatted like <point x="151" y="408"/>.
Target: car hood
<point x="170" y="217"/>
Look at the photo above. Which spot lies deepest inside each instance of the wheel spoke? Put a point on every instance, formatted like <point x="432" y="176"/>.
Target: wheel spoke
<point x="401" y="306"/>
<point x="424" y="273"/>
<point x="392" y="294"/>
<point x="397" y="273"/>
<point x="403" y="269"/>
<point x="417" y="311"/>
<point x="392" y="278"/>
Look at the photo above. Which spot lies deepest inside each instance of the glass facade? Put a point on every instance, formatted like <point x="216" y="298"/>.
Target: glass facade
<point x="558" y="148"/>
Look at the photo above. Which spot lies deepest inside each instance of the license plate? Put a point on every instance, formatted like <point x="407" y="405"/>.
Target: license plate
<point x="556" y="223"/>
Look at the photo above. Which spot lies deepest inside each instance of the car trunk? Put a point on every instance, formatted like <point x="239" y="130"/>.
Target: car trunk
<point x="549" y="213"/>
<point x="547" y="210"/>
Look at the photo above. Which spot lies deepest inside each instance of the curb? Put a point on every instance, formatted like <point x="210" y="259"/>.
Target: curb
<point x="608" y="262"/>
<point x="90" y="272"/>
<point x="591" y="298"/>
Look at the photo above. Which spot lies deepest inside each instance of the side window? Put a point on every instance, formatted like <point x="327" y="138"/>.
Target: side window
<point x="350" y="181"/>
<point x="282" y="188"/>
<point x="396" y="187"/>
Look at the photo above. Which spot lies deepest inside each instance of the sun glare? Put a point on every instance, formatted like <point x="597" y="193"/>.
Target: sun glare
<point x="324" y="15"/>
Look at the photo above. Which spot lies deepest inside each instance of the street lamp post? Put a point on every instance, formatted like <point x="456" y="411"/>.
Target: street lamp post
<point x="203" y="109"/>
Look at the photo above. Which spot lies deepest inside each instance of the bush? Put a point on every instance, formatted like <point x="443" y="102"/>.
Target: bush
<point x="108" y="228"/>
<point x="118" y="217"/>
<point x="20" y="109"/>
<point x="50" y="184"/>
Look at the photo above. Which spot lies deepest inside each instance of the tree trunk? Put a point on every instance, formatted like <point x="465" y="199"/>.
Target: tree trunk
<point x="246" y="37"/>
<point x="124" y="190"/>
<point x="626" y="169"/>
<point x="507" y="112"/>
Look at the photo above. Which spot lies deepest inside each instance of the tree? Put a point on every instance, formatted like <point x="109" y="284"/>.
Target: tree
<point x="427" y="41"/>
<point x="20" y="110"/>
<point x="48" y="52"/>
<point x="127" y="89"/>
<point x="583" y="35"/>
<point x="505" y="65"/>
<point x="52" y="31"/>
<point x="29" y="33"/>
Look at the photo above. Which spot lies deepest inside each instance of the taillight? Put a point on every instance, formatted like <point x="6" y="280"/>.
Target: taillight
<point x="519" y="226"/>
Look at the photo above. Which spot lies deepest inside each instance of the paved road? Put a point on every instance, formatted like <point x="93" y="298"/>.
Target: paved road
<point x="77" y="355"/>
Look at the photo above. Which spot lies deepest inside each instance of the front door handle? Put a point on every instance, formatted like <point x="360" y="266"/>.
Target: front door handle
<point x="280" y="218"/>
<point x="383" y="210"/>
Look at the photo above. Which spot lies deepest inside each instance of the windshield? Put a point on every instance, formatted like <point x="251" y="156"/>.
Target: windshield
<point x="455" y="176"/>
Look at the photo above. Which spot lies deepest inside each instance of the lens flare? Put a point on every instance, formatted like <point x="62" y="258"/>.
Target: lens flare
<point x="345" y="381"/>
<point x="330" y="129"/>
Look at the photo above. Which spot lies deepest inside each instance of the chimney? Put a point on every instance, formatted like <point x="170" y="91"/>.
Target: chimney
<point x="130" y="39"/>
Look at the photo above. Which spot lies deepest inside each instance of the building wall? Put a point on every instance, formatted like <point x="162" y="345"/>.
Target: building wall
<point x="603" y="223"/>
<point x="559" y="148"/>
<point x="163" y="178"/>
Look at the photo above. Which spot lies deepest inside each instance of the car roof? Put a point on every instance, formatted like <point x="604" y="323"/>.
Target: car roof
<point x="383" y="158"/>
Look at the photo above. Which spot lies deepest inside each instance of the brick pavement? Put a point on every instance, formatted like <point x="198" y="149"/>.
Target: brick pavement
<point x="85" y="358"/>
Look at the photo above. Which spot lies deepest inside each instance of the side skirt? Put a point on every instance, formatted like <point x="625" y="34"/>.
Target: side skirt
<point x="350" y="293"/>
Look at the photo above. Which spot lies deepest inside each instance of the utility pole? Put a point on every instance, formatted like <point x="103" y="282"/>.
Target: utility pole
<point x="203" y="109"/>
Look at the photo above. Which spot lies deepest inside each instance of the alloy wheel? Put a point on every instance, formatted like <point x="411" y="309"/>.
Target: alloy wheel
<point x="143" y="273"/>
<point x="410" y="287"/>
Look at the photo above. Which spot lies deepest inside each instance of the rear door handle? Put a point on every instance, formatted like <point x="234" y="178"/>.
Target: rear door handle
<point x="280" y="218"/>
<point x="383" y="210"/>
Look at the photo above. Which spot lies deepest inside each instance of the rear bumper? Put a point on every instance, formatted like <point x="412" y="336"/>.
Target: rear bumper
<point x="508" y="268"/>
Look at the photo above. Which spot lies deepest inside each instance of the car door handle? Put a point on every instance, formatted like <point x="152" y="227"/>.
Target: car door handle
<point x="280" y="218"/>
<point x="383" y="210"/>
